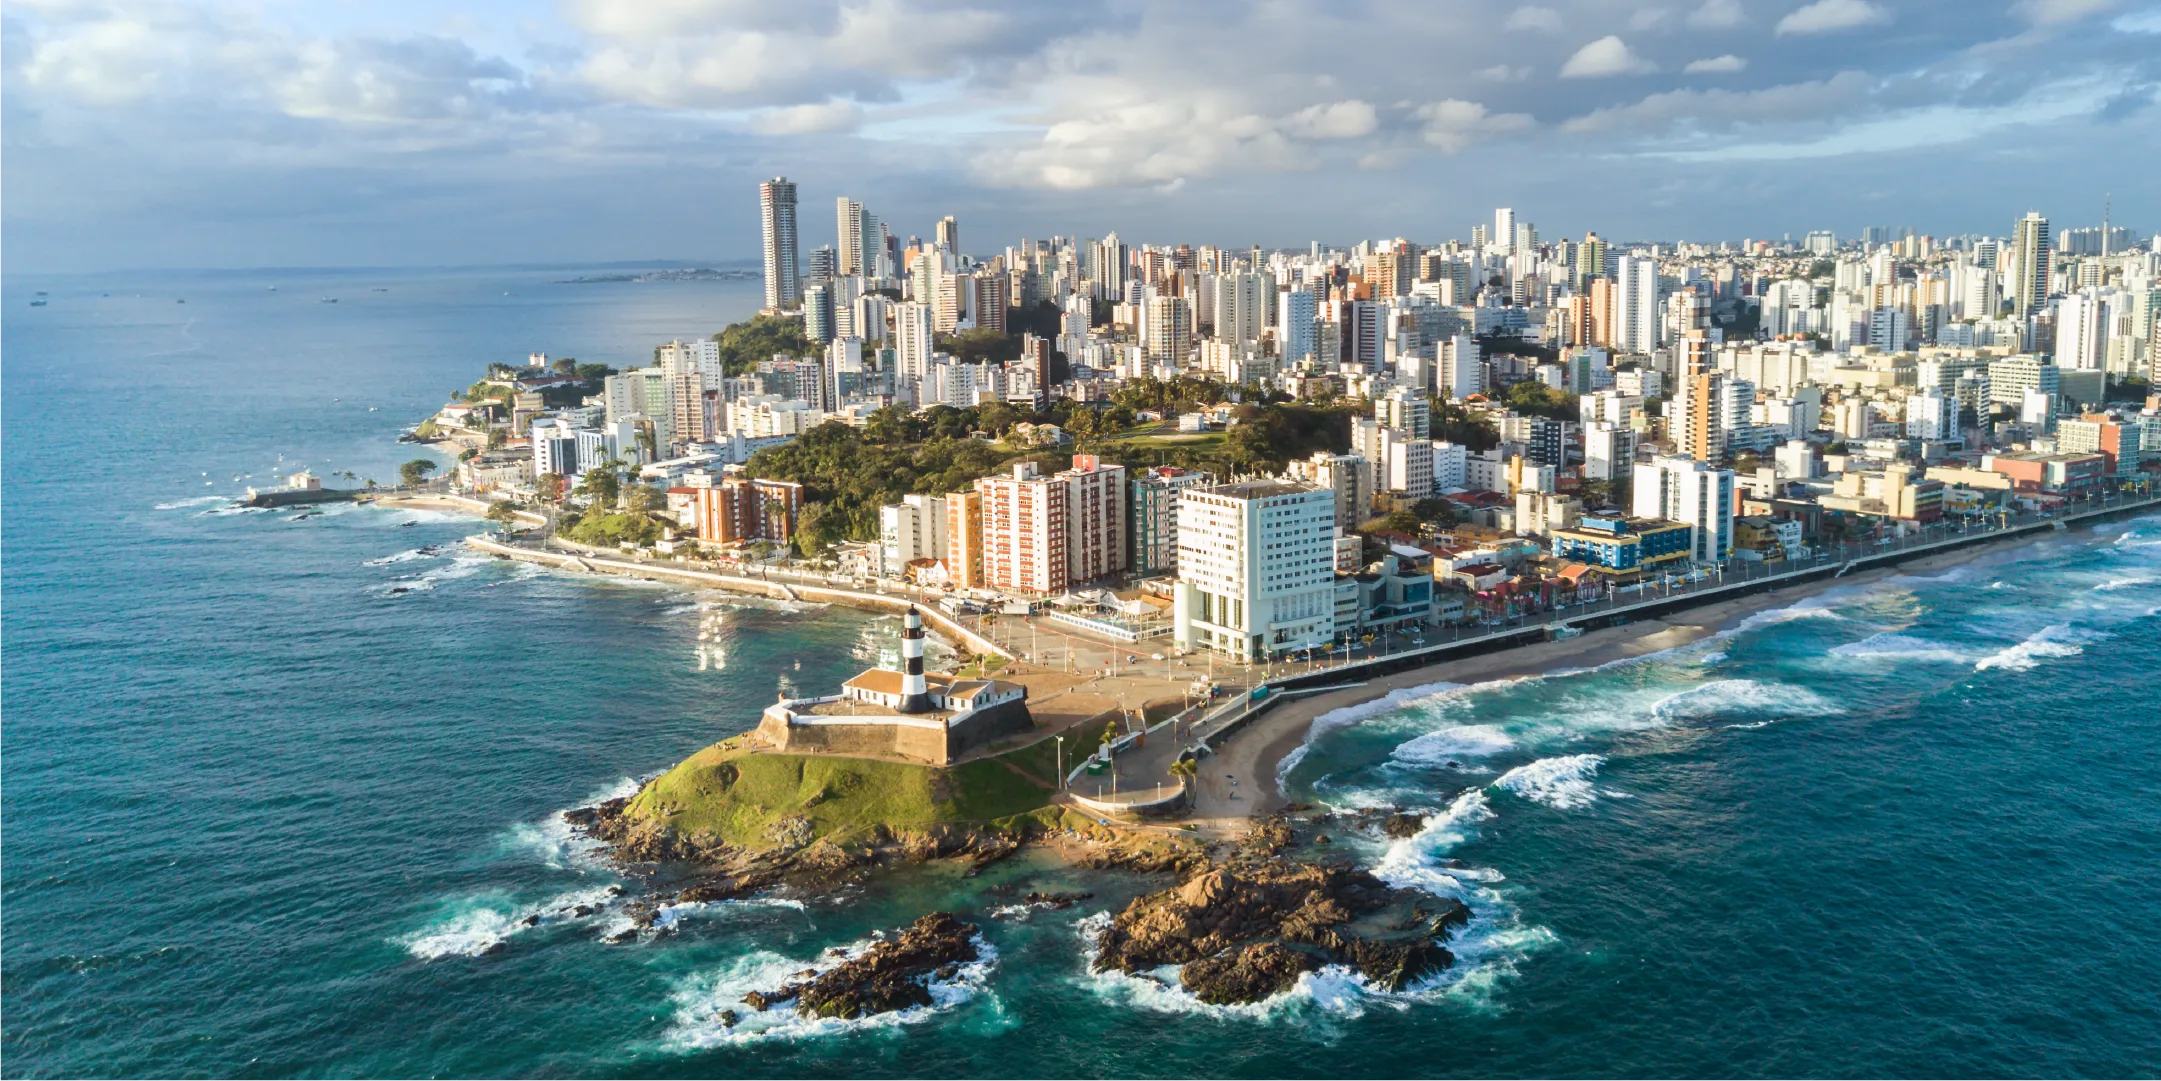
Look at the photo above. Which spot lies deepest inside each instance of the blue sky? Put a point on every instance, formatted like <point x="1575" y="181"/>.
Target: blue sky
<point x="158" y="133"/>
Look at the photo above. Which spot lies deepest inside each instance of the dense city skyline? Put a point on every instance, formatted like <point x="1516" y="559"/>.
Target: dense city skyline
<point x="153" y="135"/>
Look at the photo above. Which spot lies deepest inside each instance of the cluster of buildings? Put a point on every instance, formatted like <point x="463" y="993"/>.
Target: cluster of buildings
<point x="1742" y="401"/>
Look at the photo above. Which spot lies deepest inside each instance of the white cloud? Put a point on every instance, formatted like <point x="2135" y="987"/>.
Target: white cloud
<point x="1697" y="111"/>
<point x="1534" y="18"/>
<point x="1825" y="16"/>
<point x="1506" y="74"/>
<point x="823" y="117"/>
<point x="733" y="53"/>
<point x="1454" y="124"/>
<point x="1170" y="140"/>
<point x="1606" y="57"/>
<point x="1646" y="18"/>
<point x="1339" y="120"/>
<point x="2062" y="11"/>
<point x="1716" y="15"/>
<point x="1716" y="65"/>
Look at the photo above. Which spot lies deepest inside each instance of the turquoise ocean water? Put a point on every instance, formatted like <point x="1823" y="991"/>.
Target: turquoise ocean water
<point x="265" y="816"/>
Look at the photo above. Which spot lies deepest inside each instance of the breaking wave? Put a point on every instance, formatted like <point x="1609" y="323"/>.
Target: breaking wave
<point x="483" y="925"/>
<point x="1453" y="742"/>
<point x="1563" y="782"/>
<point x="703" y="1002"/>
<point x="1726" y="696"/>
<point x="1889" y="645"/>
<point x="2054" y="641"/>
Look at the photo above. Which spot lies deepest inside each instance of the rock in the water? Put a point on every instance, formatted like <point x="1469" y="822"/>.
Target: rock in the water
<point x="892" y="975"/>
<point x="1248" y="974"/>
<point x="1400" y="826"/>
<point x="1249" y="931"/>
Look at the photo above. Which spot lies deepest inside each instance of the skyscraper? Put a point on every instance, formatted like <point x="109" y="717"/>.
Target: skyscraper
<point x="776" y="203"/>
<point x="860" y="238"/>
<point x="1635" y="306"/>
<point x="1294" y="312"/>
<point x="2027" y="277"/>
<point x="949" y="234"/>
<point x="1504" y="228"/>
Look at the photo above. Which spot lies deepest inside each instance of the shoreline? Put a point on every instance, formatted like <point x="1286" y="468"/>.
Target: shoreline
<point x="1254" y="755"/>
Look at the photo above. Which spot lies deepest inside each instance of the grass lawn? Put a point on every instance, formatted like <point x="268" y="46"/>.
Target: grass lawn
<point x="740" y="795"/>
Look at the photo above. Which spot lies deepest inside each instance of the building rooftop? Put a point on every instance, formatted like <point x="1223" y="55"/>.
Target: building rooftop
<point x="1259" y="489"/>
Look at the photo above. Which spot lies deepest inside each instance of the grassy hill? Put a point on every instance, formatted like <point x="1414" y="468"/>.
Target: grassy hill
<point x="742" y="796"/>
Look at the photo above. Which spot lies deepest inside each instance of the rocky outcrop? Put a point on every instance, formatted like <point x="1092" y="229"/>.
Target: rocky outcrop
<point x="893" y="975"/>
<point x="1251" y="927"/>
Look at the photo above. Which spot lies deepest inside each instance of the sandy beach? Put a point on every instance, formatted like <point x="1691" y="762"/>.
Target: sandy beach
<point x="1252" y="756"/>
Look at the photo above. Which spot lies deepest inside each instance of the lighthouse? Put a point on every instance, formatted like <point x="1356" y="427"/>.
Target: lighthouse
<point x="914" y="689"/>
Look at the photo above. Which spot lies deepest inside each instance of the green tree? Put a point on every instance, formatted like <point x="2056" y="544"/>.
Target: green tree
<point x="744" y="345"/>
<point x="1437" y="511"/>
<point x="642" y="498"/>
<point x="548" y="486"/>
<point x="501" y="513"/>
<point x="415" y="473"/>
<point x="601" y="485"/>
<point x="1536" y="399"/>
<point x="1395" y="521"/>
<point x="979" y="345"/>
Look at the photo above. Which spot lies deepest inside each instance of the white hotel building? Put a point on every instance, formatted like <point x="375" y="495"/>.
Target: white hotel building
<point x="1256" y="568"/>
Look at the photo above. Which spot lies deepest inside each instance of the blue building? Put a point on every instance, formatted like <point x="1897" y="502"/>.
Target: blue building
<point x="1623" y="545"/>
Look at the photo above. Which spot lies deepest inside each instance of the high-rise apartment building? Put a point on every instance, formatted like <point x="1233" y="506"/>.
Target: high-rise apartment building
<point x="949" y="234"/>
<point x="1096" y="494"/>
<point x="1685" y="490"/>
<point x="912" y="529"/>
<point x="862" y="239"/>
<point x="1636" y="314"/>
<point x="912" y="339"/>
<point x="776" y="205"/>
<point x="2027" y="277"/>
<point x="1295" y="312"/>
<point x="1042" y="534"/>
<point x="1401" y="408"/>
<point x="1349" y="476"/>
<point x="1152" y="534"/>
<point x="1170" y="329"/>
<point x="1024" y="532"/>
<point x="964" y="539"/>
<point x="1255" y="568"/>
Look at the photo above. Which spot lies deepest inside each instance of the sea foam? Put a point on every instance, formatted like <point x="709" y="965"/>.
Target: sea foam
<point x="700" y="1000"/>
<point x="1745" y="696"/>
<point x="1454" y="742"/>
<point x="479" y="925"/>
<point x="1563" y="782"/>
<point x="2053" y="641"/>
<point x="1891" y="646"/>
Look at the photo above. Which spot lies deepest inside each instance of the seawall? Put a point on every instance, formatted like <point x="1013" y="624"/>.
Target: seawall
<point x="791" y="591"/>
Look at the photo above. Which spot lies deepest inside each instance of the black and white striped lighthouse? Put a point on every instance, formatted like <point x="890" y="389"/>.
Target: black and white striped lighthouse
<point x="914" y="689"/>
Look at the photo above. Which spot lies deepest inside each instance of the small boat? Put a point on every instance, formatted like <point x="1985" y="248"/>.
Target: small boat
<point x="378" y="289"/>
<point x="38" y="303"/>
<point x="180" y="300"/>
<point x="329" y="300"/>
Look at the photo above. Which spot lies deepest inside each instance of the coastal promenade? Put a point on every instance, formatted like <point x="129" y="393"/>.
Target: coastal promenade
<point x="784" y="591"/>
<point x="1268" y="690"/>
